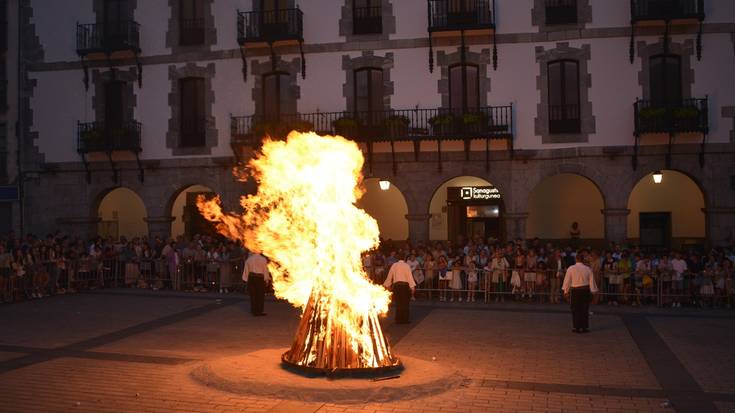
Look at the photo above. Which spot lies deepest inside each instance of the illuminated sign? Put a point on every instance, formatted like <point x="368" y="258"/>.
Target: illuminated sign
<point x="468" y="193"/>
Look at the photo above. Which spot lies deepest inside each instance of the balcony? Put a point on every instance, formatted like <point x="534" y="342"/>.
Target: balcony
<point x="98" y="137"/>
<point x="564" y="119"/>
<point x="115" y="37"/>
<point x="560" y="12"/>
<point x="191" y="32"/>
<point x="666" y="10"/>
<point x="689" y="116"/>
<point x="452" y="15"/>
<point x="270" y="26"/>
<point x="395" y="125"/>
<point x="367" y="20"/>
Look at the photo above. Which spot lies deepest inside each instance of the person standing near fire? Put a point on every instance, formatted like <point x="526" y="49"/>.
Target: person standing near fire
<point x="256" y="274"/>
<point x="401" y="282"/>
<point x="579" y="285"/>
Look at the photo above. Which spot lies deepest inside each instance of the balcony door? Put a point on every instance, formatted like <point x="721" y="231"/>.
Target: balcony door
<point x="114" y="22"/>
<point x="193" y="116"/>
<point x="665" y="80"/>
<point x="114" y="112"/>
<point x="367" y="16"/>
<point x="564" y="96"/>
<point x="462" y="12"/>
<point x="275" y="94"/>
<point x="191" y="22"/>
<point x="274" y="17"/>
<point x="369" y="94"/>
<point x="464" y="89"/>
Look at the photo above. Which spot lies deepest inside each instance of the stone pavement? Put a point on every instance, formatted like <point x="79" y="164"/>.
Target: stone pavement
<point x="133" y="351"/>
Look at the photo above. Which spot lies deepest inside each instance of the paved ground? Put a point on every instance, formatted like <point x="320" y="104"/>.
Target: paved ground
<point x="113" y="351"/>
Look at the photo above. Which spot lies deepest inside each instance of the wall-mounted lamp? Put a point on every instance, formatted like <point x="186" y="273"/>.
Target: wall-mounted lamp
<point x="658" y="176"/>
<point x="384" y="185"/>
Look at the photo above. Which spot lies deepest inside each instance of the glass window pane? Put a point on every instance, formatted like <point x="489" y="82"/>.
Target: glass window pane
<point x="284" y="91"/>
<point x="473" y="86"/>
<point x="362" y="102"/>
<point x="455" y="87"/>
<point x="376" y="92"/>
<point x="571" y="83"/>
<point x="673" y="79"/>
<point x="270" y="95"/>
<point x="555" y="98"/>
<point x="656" y="76"/>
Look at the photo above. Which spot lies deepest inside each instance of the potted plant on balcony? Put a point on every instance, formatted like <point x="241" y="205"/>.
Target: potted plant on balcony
<point x="91" y="138"/>
<point x="442" y="124"/>
<point x="652" y="113"/>
<point x="299" y="125"/>
<point x="396" y="126"/>
<point x="475" y="122"/>
<point x="686" y="116"/>
<point x="345" y="126"/>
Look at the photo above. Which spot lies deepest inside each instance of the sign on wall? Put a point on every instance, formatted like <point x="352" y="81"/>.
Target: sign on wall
<point x="473" y="193"/>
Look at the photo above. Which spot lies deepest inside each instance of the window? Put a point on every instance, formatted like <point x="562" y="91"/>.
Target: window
<point x="464" y="88"/>
<point x="193" y="117"/>
<point x="191" y="22"/>
<point x="275" y="93"/>
<point x="367" y="16"/>
<point x="665" y="80"/>
<point x="564" y="96"/>
<point x="561" y="12"/>
<point x="114" y="105"/>
<point x="462" y="12"/>
<point x="369" y="94"/>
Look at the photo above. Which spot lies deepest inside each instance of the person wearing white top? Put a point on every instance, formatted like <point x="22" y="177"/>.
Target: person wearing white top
<point x="579" y="285"/>
<point x="256" y="274"/>
<point x="400" y="281"/>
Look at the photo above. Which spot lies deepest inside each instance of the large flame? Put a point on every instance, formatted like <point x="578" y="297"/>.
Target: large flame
<point x="304" y="219"/>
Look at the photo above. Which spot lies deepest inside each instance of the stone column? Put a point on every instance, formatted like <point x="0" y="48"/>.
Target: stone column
<point x="418" y="227"/>
<point x="720" y="225"/>
<point x="616" y="224"/>
<point x="159" y="226"/>
<point x="515" y="225"/>
<point x="83" y="227"/>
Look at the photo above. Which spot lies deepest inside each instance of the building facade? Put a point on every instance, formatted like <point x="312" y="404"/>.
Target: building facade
<point x="491" y="118"/>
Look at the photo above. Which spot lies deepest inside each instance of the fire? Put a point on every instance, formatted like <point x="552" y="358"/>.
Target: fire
<point x="304" y="219"/>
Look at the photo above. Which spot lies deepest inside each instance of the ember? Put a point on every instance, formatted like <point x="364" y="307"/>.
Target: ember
<point x="304" y="219"/>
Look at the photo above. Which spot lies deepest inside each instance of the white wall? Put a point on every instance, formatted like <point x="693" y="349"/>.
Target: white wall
<point x="56" y="26"/>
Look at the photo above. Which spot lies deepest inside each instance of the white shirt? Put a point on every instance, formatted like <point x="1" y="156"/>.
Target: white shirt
<point x="399" y="272"/>
<point x="579" y="275"/>
<point x="679" y="266"/>
<point x="258" y="264"/>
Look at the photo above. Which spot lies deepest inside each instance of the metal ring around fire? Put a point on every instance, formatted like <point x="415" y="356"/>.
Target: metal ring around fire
<point x="371" y="372"/>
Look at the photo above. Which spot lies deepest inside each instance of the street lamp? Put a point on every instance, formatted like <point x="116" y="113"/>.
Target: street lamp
<point x="658" y="176"/>
<point x="384" y="185"/>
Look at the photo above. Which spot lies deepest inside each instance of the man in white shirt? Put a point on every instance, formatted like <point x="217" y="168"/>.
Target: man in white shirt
<point x="401" y="281"/>
<point x="679" y="267"/>
<point x="579" y="285"/>
<point x="256" y="274"/>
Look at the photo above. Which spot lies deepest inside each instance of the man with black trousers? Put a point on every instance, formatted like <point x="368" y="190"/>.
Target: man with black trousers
<point x="579" y="285"/>
<point x="256" y="274"/>
<point x="400" y="280"/>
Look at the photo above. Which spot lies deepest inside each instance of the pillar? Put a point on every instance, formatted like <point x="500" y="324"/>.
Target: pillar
<point x="515" y="225"/>
<point x="616" y="224"/>
<point x="719" y="225"/>
<point x="418" y="227"/>
<point x="159" y="226"/>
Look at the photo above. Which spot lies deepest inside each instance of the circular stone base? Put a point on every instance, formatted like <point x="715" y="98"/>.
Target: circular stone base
<point x="261" y="373"/>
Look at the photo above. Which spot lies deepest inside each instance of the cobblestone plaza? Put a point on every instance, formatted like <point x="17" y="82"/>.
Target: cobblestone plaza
<point x="113" y="351"/>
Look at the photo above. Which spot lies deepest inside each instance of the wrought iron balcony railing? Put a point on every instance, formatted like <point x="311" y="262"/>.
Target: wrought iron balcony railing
<point x="270" y="26"/>
<point x="494" y="122"/>
<point x="564" y="119"/>
<point x="107" y="38"/>
<point x="367" y="20"/>
<point x="561" y="12"/>
<point x="448" y="15"/>
<point x="191" y="32"/>
<point x="688" y="116"/>
<point x="666" y="9"/>
<point x="99" y="137"/>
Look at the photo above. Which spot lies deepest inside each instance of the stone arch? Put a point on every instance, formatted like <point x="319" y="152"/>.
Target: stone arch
<point x="120" y="211"/>
<point x="438" y="210"/>
<point x="559" y="199"/>
<point x="680" y="196"/>
<point x="176" y="207"/>
<point x="608" y="195"/>
<point x="389" y="208"/>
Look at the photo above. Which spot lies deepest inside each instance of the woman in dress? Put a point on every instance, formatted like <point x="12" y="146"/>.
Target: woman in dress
<point x="499" y="270"/>
<point x="529" y="276"/>
<point x="610" y="270"/>
<point x="442" y="268"/>
<point x="225" y="269"/>
<point x="455" y="284"/>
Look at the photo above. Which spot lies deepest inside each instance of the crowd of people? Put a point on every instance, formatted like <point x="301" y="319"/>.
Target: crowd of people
<point x="529" y="270"/>
<point x="32" y="267"/>
<point x="522" y="270"/>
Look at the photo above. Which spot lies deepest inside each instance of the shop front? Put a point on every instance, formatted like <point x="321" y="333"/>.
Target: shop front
<point x="474" y="212"/>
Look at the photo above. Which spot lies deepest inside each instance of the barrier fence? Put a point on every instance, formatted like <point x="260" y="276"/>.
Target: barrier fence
<point x="455" y="284"/>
